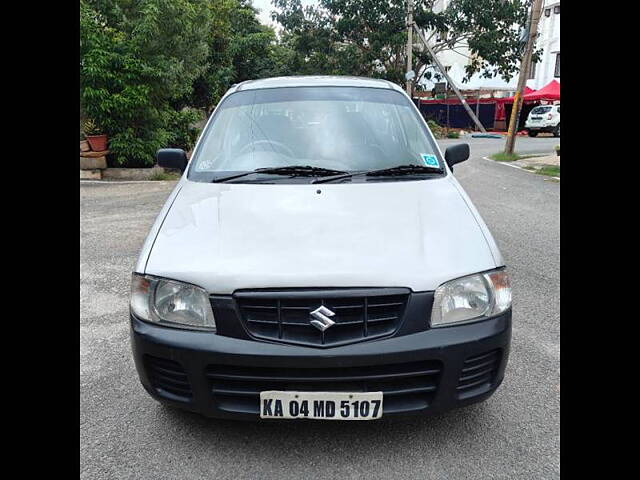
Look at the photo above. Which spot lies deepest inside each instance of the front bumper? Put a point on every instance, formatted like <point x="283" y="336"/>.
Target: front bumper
<point x="540" y="128"/>
<point x="422" y="373"/>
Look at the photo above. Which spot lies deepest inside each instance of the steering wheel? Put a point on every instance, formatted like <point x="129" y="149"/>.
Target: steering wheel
<point x="272" y="144"/>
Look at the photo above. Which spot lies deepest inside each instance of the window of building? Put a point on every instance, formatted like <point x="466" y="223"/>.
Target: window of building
<point x="547" y="12"/>
<point x="556" y="9"/>
<point x="556" y="73"/>
<point x="532" y="71"/>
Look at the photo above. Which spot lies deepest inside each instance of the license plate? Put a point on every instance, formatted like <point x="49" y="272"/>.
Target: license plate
<point x="321" y="405"/>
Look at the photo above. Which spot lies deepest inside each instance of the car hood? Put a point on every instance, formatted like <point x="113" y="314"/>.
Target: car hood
<point x="415" y="234"/>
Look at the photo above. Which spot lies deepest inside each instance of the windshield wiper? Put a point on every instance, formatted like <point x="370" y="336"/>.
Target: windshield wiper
<point x="403" y="170"/>
<point x="300" y="170"/>
<point x="393" y="171"/>
<point x="296" y="170"/>
<point x="231" y="177"/>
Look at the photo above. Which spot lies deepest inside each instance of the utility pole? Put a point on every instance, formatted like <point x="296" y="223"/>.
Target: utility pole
<point x="449" y="80"/>
<point x="525" y="65"/>
<point x="409" y="45"/>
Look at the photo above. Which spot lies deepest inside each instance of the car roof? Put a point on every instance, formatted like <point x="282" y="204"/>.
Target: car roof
<point x="314" y="81"/>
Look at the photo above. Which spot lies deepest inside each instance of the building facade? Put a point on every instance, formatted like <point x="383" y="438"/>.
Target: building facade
<point x="548" y="68"/>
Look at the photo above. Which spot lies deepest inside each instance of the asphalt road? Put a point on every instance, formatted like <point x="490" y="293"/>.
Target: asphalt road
<point x="515" y="434"/>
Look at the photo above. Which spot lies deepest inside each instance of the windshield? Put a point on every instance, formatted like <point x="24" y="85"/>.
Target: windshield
<point x="340" y="128"/>
<point x="540" y="110"/>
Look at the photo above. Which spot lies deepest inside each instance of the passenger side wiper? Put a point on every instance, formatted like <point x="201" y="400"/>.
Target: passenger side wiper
<point x="392" y="171"/>
<point x="403" y="170"/>
<point x="296" y="170"/>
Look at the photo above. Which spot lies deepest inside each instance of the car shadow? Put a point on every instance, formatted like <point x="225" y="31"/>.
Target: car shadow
<point x="279" y="436"/>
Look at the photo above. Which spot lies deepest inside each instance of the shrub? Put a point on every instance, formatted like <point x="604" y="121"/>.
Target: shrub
<point x="136" y="64"/>
<point x="453" y="134"/>
<point x="436" y="129"/>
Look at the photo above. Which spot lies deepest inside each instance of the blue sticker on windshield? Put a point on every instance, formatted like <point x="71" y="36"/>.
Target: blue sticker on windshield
<point x="430" y="160"/>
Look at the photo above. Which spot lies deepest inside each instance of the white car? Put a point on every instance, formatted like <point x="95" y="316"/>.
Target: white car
<point x="319" y="260"/>
<point x="543" y="118"/>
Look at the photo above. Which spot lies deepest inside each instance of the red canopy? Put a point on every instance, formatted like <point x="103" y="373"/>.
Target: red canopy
<point x="551" y="91"/>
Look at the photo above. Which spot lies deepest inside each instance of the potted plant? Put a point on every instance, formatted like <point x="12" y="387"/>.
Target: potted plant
<point x="97" y="141"/>
<point x="557" y="147"/>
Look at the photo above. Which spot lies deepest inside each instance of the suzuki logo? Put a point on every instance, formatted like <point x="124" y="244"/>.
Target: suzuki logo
<point x="321" y="318"/>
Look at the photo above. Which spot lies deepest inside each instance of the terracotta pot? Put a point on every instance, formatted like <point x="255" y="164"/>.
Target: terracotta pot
<point x="98" y="143"/>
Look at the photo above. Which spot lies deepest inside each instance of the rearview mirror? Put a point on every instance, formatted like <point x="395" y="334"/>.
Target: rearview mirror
<point x="456" y="154"/>
<point x="172" y="158"/>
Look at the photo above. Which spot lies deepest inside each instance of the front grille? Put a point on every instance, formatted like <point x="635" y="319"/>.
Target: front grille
<point x="360" y="314"/>
<point x="478" y="374"/>
<point x="168" y="378"/>
<point x="406" y="386"/>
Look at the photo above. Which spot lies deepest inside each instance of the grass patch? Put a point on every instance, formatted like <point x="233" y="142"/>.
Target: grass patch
<point x="163" y="176"/>
<point x="511" y="157"/>
<point x="551" y="170"/>
<point x="505" y="157"/>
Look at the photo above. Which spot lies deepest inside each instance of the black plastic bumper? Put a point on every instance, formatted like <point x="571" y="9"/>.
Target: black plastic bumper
<point x="466" y="364"/>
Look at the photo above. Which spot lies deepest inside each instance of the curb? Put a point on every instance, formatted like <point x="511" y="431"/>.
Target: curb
<point x="120" y="182"/>
<point x="519" y="168"/>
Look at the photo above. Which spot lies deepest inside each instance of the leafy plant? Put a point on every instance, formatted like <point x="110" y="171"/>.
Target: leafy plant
<point x="557" y="148"/>
<point x="453" y="134"/>
<point x="89" y="127"/>
<point x="436" y="129"/>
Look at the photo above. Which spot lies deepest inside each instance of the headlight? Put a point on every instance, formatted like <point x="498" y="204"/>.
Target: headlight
<point x="471" y="298"/>
<point x="171" y="302"/>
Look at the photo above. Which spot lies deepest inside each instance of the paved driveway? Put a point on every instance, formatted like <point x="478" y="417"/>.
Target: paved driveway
<point x="515" y="434"/>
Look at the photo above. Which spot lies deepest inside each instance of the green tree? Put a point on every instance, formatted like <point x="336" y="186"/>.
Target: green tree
<point x="251" y="43"/>
<point x="138" y="60"/>
<point x="240" y="48"/>
<point x="218" y="73"/>
<point x="368" y="37"/>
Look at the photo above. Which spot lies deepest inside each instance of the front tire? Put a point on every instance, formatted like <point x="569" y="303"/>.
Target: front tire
<point x="532" y="134"/>
<point x="556" y="131"/>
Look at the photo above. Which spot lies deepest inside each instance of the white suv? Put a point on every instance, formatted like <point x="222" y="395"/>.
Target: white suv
<point x="544" y="118"/>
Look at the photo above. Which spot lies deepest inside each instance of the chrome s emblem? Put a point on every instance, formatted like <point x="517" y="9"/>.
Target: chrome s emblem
<point x="321" y="318"/>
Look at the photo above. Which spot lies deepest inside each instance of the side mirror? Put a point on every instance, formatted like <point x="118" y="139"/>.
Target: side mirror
<point x="456" y="154"/>
<point x="172" y="158"/>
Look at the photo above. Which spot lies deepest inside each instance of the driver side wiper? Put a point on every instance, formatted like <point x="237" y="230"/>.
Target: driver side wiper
<point x="298" y="170"/>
